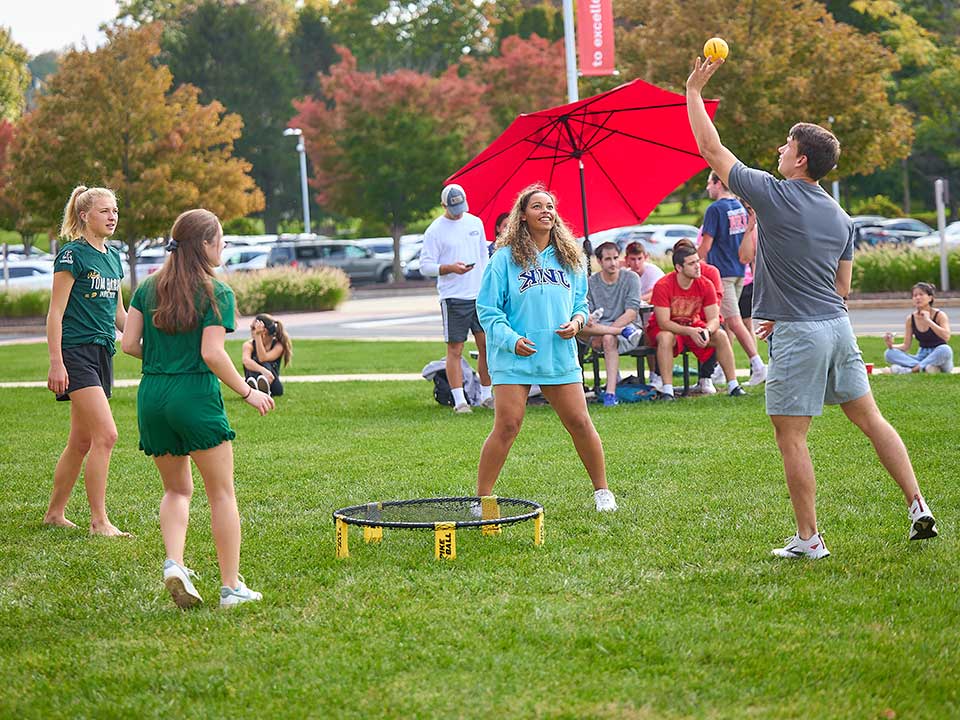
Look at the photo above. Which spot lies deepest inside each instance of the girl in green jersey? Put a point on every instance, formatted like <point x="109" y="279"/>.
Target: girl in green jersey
<point x="178" y="320"/>
<point x="85" y="307"/>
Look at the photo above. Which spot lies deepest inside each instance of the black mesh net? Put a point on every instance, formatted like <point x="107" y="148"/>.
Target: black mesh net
<point x="427" y="512"/>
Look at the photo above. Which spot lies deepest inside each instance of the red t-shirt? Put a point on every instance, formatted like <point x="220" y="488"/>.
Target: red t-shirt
<point x="711" y="273"/>
<point x="686" y="306"/>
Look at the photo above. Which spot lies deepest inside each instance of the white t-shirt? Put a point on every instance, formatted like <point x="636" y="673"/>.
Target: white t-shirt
<point x="445" y="242"/>
<point x="651" y="273"/>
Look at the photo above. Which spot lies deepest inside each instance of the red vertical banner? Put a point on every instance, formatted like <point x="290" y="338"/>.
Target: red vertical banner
<point x="595" y="36"/>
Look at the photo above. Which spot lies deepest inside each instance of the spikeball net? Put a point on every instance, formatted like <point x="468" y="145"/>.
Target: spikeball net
<point x="443" y="515"/>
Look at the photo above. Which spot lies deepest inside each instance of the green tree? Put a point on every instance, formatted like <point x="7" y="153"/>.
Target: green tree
<point x="162" y="151"/>
<point x="382" y="145"/>
<point x="311" y="50"/>
<point x="236" y="56"/>
<point x="14" y="76"/>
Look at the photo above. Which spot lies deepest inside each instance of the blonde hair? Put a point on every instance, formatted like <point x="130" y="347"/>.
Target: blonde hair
<point x="517" y="236"/>
<point x="81" y="201"/>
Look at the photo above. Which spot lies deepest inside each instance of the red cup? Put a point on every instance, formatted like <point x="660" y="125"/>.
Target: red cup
<point x="869" y="368"/>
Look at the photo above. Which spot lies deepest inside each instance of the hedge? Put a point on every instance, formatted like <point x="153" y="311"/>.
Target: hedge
<point x="273" y="291"/>
<point x="897" y="269"/>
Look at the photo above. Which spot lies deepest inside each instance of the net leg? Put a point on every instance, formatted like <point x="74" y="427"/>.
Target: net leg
<point x="343" y="541"/>
<point x="538" y="529"/>
<point x="445" y="541"/>
<point x="372" y="534"/>
<point x="489" y="510"/>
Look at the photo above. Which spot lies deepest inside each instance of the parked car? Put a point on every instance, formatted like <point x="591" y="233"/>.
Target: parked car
<point x="27" y="275"/>
<point x="149" y="260"/>
<point x="238" y="258"/>
<point x="933" y="240"/>
<point x="894" y="230"/>
<point x="360" y="263"/>
<point x="383" y="247"/>
<point x="863" y="221"/>
<point x="17" y="252"/>
<point x="231" y="240"/>
<point x="411" y="268"/>
<point x="657" y="239"/>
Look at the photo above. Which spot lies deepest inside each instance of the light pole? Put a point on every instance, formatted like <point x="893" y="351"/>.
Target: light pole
<point x="298" y="133"/>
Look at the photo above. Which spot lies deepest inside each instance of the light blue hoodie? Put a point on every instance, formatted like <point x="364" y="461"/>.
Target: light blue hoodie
<point x="532" y="303"/>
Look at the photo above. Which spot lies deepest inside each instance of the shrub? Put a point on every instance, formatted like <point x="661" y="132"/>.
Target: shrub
<point x="877" y="205"/>
<point x="24" y="303"/>
<point x="283" y="290"/>
<point x="889" y="269"/>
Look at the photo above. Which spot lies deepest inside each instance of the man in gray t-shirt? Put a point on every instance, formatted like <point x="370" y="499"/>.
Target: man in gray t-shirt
<point x="803" y="273"/>
<point x="615" y="292"/>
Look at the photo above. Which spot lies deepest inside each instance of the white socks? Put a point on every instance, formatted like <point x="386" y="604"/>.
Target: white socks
<point x="486" y="391"/>
<point x="756" y="362"/>
<point x="458" y="396"/>
<point x="667" y="389"/>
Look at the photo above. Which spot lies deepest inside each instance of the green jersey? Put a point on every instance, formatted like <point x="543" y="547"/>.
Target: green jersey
<point x="90" y="315"/>
<point x="176" y="354"/>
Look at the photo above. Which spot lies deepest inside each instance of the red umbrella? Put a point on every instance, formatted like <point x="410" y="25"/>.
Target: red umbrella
<point x="620" y="153"/>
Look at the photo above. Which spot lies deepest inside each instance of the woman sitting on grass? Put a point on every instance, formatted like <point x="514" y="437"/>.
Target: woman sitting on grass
<point x="932" y="330"/>
<point x="179" y="406"/>
<point x="262" y="353"/>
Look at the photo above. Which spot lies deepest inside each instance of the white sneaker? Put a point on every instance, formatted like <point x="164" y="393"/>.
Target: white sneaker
<point x="176" y="578"/>
<point x="922" y="523"/>
<point x="656" y="382"/>
<point x="461" y="409"/>
<point x="252" y="383"/>
<point x="900" y="370"/>
<point x="230" y="597"/>
<point x="705" y="387"/>
<point x="718" y="376"/>
<point x="758" y="375"/>
<point x="932" y="369"/>
<point x="814" y="549"/>
<point x="605" y="500"/>
<point x="488" y="403"/>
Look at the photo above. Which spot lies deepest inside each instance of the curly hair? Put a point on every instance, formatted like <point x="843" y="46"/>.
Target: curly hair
<point x="517" y="237"/>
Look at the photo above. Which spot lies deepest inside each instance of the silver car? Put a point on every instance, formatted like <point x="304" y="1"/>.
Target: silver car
<point x="360" y="263"/>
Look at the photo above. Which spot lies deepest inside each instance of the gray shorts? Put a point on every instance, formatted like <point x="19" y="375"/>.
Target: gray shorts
<point x="813" y="364"/>
<point x="459" y="318"/>
<point x="631" y="343"/>
<point x="730" y="302"/>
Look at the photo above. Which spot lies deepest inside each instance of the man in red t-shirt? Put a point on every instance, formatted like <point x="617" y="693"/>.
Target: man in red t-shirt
<point x="686" y="316"/>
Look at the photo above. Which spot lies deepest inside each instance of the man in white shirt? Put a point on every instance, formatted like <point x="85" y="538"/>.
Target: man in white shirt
<point x="455" y="251"/>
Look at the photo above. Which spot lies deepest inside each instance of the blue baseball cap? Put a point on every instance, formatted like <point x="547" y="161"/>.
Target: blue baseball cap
<point x="454" y="199"/>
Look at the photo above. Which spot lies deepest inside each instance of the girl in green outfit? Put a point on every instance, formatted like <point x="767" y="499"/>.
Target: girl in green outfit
<point x="85" y="309"/>
<point x="179" y="406"/>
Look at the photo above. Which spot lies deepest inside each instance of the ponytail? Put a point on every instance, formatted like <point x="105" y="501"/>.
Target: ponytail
<point x="276" y="330"/>
<point x="81" y="200"/>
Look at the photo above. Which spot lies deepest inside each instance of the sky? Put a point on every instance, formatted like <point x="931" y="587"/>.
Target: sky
<point x="41" y="25"/>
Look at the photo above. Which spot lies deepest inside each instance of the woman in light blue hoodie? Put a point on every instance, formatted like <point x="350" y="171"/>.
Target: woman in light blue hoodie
<point x="532" y="304"/>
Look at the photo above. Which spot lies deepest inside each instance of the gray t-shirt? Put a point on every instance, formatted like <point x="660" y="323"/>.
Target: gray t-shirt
<point x="803" y="234"/>
<point x="615" y="299"/>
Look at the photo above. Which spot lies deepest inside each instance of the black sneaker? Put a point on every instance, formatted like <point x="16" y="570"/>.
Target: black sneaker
<point x="738" y="391"/>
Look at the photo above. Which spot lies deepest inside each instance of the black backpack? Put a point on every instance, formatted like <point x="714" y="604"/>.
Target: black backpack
<point x="441" y="388"/>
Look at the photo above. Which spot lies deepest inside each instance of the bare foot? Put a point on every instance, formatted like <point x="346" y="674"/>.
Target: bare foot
<point x="107" y="529"/>
<point x="58" y="521"/>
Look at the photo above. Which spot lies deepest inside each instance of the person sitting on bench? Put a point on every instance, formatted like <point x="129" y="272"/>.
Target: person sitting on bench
<point x="614" y="294"/>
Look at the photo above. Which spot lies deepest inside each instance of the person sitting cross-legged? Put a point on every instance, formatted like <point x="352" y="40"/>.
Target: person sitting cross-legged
<point x="614" y="293"/>
<point x="676" y="325"/>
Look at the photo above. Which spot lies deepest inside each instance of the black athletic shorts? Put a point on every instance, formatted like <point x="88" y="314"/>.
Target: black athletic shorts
<point x="746" y="302"/>
<point x="87" y="366"/>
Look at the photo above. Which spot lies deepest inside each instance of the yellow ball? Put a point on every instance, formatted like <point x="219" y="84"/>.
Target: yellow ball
<point x="716" y="49"/>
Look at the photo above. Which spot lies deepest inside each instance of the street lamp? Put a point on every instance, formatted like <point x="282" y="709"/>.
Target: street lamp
<point x="298" y="133"/>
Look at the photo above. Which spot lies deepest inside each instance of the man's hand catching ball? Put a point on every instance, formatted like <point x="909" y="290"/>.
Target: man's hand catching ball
<point x="703" y="70"/>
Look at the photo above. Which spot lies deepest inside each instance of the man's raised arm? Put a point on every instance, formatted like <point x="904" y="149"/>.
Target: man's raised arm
<point x="717" y="156"/>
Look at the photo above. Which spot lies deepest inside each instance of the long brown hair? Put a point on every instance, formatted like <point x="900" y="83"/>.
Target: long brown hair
<point x="186" y="273"/>
<point x="81" y="200"/>
<point x="517" y="237"/>
<point x="278" y="333"/>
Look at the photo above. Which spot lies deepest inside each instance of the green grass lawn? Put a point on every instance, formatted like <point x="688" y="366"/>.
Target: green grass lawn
<point x="670" y="608"/>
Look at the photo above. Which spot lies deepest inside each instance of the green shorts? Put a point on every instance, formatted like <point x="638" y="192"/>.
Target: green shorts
<point x="178" y="414"/>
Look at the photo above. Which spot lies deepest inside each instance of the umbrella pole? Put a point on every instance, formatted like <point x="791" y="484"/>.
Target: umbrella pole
<point x="587" y="247"/>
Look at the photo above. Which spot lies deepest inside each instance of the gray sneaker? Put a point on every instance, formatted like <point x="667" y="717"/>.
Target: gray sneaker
<point x="263" y="385"/>
<point x="176" y="578"/>
<point x="229" y="597"/>
<point x="462" y="409"/>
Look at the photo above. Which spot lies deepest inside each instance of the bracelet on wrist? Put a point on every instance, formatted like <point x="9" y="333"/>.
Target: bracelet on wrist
<point x="249" y="390"/>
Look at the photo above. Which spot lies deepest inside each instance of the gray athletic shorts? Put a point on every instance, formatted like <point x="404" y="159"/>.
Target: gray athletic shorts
<point x="813" y="364"/>
<point x="730" y="302"/>
<point x="459" y="317"/>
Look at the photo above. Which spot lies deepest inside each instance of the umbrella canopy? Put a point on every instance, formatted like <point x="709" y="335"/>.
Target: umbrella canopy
<point x="635" y="144"/>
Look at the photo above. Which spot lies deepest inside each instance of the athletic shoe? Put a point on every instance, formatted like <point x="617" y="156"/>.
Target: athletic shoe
<point x="900" y="370"/>
<point x="718" y="376"/>
<point x="922" y="523"/>
<point x="705" y="386"/>
<point x="229" y="597"/>
<point x="814" y="549"/>
<point x="176" y="578"/>
<point x="932" y="369"/>
<point x="462" y="409"/>
<point x="488" y="403"/>
<point x="628" y="331"/>
<point x="609" y="399"/>
<point x="252" y="383"/>
<point x="666" y="396"/>
<point x="605" y="500"/>
<point x="656" y="382"/>
<point x="758" y="375"/>
<point x="263" y="385"/>
<point x="738" y="391"/>
<point x="476" y="510"/>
